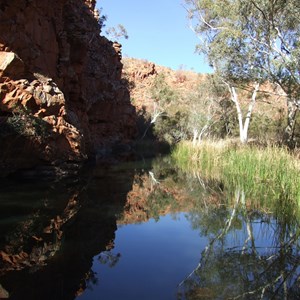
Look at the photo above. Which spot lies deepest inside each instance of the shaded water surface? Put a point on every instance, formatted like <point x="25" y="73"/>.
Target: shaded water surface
<point x="145" y="231"/>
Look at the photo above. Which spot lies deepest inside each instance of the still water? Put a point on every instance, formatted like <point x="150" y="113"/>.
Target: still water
<point x="145" y="230"/>
<point x="153" y="258"/>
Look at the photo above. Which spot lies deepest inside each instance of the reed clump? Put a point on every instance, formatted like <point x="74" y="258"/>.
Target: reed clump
<point x="269" y="172"/>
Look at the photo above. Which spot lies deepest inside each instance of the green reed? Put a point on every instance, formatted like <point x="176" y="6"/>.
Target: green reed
<point x="269" y="173"/>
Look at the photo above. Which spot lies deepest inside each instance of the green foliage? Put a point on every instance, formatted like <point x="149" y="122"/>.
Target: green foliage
<point x="247" y="41"/>
<point x="161" y="92"/>
<point x="102" y="19"/>
<point x="158" y="201"/>
<point x="262" y="173"/>
<point x="210" y="105"/>
<point x="116" y="33"/>
<point x="23" y="123"/>
<point x="168" y="120"/>
<point x="171" y="128"/>
<point x="207" y="111"/>
<point x="113" y="33"/>
<point x="264" y="128"/>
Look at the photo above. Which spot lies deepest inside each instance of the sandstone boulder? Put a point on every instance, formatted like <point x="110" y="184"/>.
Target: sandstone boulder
<point x="11" y="65"/>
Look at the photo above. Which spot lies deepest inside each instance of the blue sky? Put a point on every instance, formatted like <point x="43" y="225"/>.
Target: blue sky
<point x="158" y="31"/>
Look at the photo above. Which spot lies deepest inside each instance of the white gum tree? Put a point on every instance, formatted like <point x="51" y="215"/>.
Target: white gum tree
<point x="244" y="122"/>
<point x="252" y="41"/>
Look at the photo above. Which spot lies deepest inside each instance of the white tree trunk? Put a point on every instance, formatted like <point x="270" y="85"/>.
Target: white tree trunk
<point x="234" y="98"/>
<point x="249" y="112"/>
<point x="195" y="136"/>
<point x="243" y="126"/>
<point x="202" y="132"/>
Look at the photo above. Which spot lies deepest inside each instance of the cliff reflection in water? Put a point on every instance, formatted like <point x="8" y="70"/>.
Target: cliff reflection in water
<point x="140" y="232"/>
<point x="51" y="232"/>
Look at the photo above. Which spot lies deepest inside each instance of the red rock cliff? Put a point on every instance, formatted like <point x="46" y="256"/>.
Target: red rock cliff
<point x="61" y="94"/>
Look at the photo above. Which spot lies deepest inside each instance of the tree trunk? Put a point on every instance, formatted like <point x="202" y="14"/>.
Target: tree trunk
<point x="289" y="138"/>
<point x="249" y="113"/>
<point x="195" y="136"/>
<point x="243" y="126"/>
<point x="234" y="99"/>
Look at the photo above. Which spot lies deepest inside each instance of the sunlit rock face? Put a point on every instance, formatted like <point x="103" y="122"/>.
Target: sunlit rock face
<point x="61" y="91"/>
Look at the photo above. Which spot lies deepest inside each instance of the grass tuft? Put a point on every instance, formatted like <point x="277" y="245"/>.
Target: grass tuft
<point x="262" y="173"/>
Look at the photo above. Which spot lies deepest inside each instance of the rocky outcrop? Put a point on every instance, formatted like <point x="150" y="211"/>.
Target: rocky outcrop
<point x="62" y="98"/>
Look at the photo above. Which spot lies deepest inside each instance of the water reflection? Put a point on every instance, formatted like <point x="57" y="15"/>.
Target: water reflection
<point x="47" y="248"/>
<point x="252" y="256"/>
<point x="145" y="232"/>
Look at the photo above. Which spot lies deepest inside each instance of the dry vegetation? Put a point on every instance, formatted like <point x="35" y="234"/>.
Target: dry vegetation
<point x="193" y="99"/>
<point x="142" y="73"/>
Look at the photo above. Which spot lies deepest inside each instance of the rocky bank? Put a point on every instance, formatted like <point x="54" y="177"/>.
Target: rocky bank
<point x="62" y="99"/>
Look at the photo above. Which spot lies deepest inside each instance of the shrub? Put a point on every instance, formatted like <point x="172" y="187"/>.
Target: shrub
<point x="23" y="123"/>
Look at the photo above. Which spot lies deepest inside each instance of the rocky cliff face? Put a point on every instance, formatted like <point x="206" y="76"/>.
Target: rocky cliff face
<point x="62" y="98"/>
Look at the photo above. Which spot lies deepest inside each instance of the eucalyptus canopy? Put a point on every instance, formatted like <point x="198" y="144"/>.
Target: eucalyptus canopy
<point x="252" y="41"/>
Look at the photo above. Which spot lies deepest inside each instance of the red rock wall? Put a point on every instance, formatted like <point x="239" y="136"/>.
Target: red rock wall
<point x="59" y="76"/>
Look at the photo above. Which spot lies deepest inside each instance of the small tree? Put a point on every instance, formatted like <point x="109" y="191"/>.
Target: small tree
<point x="116" y="33"/>
<point x="112" y="33"/>
<point x="209" y="109"/>
<point x="203" y="107"/>
<point x="163" y="117"/>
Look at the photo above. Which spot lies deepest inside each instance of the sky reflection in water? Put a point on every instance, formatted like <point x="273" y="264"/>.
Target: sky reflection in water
<point x="155" y="257"/>
<point x="128" y="233"/>
<point x="166" y="259"/>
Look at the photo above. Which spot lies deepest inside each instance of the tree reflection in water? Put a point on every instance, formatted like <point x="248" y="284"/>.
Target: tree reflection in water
<point x="109" y="258"/>
<point x="241" y="260"/>
<point x="253" y="245"/>
<point x="252" y="249"/>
